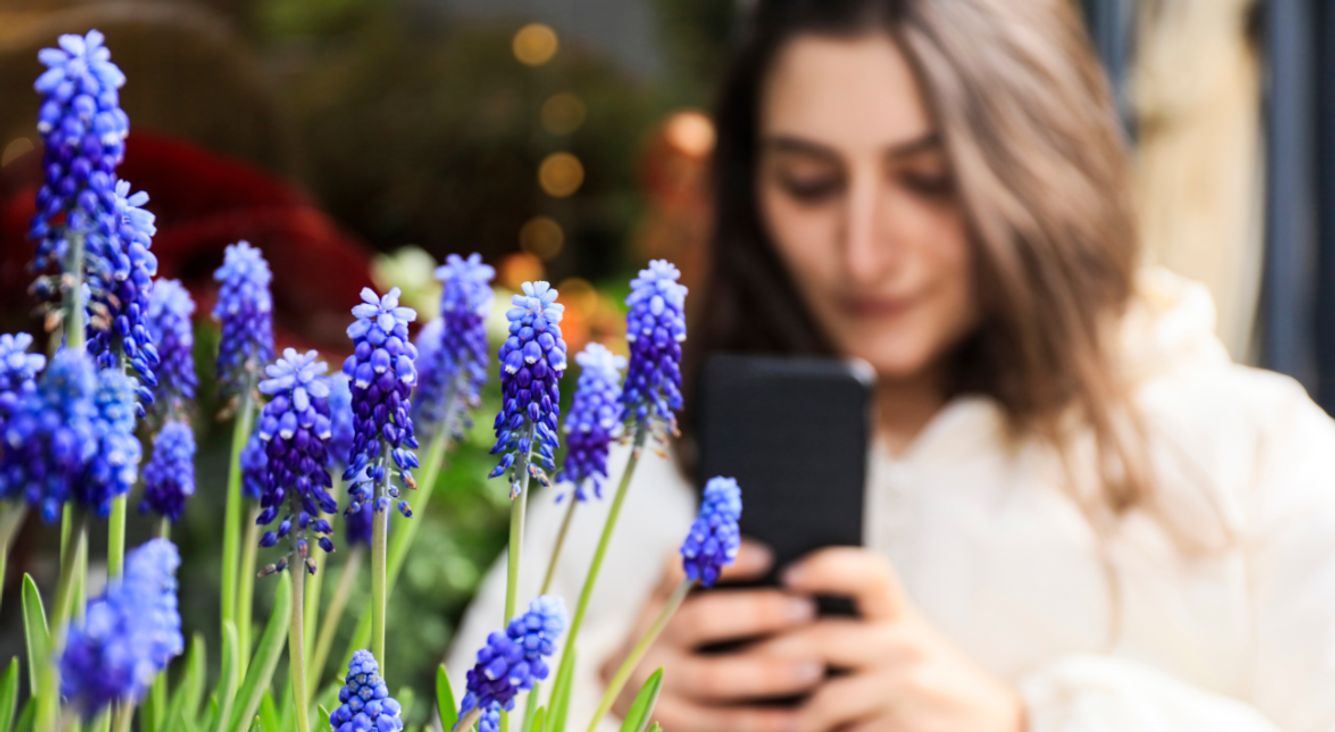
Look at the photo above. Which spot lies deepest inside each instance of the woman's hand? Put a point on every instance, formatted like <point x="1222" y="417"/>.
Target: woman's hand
<point x="716" y="692"/>
<point x="901" y="675"/>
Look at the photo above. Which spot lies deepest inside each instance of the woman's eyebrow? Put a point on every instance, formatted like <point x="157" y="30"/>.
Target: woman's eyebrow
<point x="928" y="140"/>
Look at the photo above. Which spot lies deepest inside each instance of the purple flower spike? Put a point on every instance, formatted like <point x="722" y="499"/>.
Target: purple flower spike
<point x="245" y="312"/>
<point x="127" y="636"/>
<point x="169" y="476"/>
<point x="515" y="660"/>
<point x="452" y="350"/>
<point x="365" y="703"/>
<point x="655" y="329"/>
<point x="594" y="419"/>
<point x="295" y="429"/>
<point x="383" y="373"/>
<point x="533" y="359"/>
<point x="714" y="538"/>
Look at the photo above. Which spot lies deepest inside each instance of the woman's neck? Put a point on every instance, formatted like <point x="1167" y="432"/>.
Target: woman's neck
<point x="904" y="407"/>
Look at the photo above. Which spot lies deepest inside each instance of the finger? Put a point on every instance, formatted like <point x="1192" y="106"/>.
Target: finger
<point x="738" y="677"/>
<point x="846" y="701"/>
<point x="710" y="617"/>
<point x="846" y="643"/>
<point x="676" y="713"/>
<point x="864" y="576"/>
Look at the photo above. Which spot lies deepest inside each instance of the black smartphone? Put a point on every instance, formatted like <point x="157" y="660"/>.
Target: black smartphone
<point x="794" y="433"/>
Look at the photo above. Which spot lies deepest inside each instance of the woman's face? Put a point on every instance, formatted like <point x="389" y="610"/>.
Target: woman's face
<point x="857" y="196"/>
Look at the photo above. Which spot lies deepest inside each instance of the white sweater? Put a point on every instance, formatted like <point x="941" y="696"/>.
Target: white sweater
<point x="992" y="549"/>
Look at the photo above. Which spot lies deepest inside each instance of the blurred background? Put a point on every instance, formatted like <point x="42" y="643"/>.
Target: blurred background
<point x="359" y="141"/>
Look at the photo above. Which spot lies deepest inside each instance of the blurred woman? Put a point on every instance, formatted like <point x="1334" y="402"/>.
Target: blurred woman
<point x="1080" y="515"/>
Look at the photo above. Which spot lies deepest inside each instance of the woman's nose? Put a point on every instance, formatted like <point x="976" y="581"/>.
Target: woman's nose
<point x="868" y="249"/>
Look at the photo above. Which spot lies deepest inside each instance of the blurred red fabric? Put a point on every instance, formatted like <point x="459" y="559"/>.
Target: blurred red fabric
<point x="203" y="202"/>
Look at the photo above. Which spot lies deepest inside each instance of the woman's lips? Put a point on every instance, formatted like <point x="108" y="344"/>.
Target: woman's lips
<point x="877" y="307"/>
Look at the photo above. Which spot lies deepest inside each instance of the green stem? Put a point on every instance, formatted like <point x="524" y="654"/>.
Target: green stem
<point x="518" y="506"/>
<point x="124" y="715"/>
<point x="296" y="644"/>
<point x="325" y="640"/>
<point x="379" y="555"/>
<point x="11" y="520"/>
<point x="48" y="694"/>
<point x="245" y="589"/>
<point x="312" y="609"/>
<point x="627" y="666"/>
<point x="596" y="564"/>
<point x="556" y="550"/>
<point x="403" y="537"/>
<point x="116" y="537"/>
<point x="165" y="528"/>
<point x="467" y="721"/>
<point x="232" y="526"/>
<point x="72" y="297"/>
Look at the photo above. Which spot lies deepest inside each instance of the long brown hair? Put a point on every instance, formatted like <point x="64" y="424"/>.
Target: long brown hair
<point x="1041" y="168"/>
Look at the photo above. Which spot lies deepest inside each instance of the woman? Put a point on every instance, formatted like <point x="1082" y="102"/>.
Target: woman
<point x="1080" y="515"/>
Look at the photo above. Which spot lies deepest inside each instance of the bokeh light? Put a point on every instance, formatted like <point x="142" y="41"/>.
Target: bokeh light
<point x="542" y="237"/>
<point x="690" y="132"/>
<point x="562" y="113"/>
<point x="535" y="44"/>
<point x="561" y="174"/>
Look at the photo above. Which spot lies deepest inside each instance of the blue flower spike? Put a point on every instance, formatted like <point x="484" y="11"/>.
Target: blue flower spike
<point x="364" y="701"/>
<point x="452" y="350"/>
<point x="127" y="635"/>
<point x="594" y="420"/>
<point x="655" y="330"/>
<point x="170" y="309"/>
<point x="513" y="661"/>
<point x="714" y="536"/>
<point x="245" y="313"/>
<point x="295" y="429"/>
<point x="533" y="359"/>
<point x="18" y="374"/>
<point x="169" y="476"/>
<point x="383" y="372"/>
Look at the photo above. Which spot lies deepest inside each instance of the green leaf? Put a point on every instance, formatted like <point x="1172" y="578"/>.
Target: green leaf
<point x="215" y="714"/>
<point x="655" y="727"/>
<point x="184" y="703"/>
<point x="406" y="699"/>
<point x="266" y="657"/>
<point x="539" y="720"/>
<point x="26" y="717"/>
<point x="324" y="716"/>
<point x="35" y="630"/>
<point x="269" y="713"/>
<point x="228" y="680"/>
<point x="449" y="711"/>
<point x="637" y="719"/>
<point x="560" y="700"/>
<point x="9" y="693"/>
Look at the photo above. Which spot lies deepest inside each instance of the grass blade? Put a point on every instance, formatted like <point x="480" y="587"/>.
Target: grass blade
<point x="269" y="713"/>
<point x="637" y="719"/>
<point x="184" y="702"/>
<point x="38" y="637"/>
<point x="260" y="671"/>
<point x="561" y="692"/>
<point x="221" y="711"/>
<point x="449" y="711"/>
<point x="9" y="693"/>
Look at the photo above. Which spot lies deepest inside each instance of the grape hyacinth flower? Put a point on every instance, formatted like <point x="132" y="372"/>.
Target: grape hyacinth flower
<point x="18" y="374"/>
<point x="383" y="376"/>
<point x="364" y="701"/>
<point x="593" y="421"/>
<point x="295" y="429"/>
<point x="254" y="467"/>
<point x="452" y="350"/>
<point x="114" y="469"/>
<point x="533" y="359"/>
<point x="513" y="661"/>
<point x="710" y="545"/>
<point x="51" y="435"/>
<point x="170" y="308"/>
<point x="341" y="421"/>
<point x="714" y="537"/>
<point x="83" y="132"/>
<point x="655" y="329"/>
<point x="169" y="476"/>
<point x="127" y="635"/>
<point x="121" y="268"/>
<point x="245" y="312"/>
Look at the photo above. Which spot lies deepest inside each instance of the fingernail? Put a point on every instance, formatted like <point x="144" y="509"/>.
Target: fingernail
<point x="791" y="576"/>
<point x="800" y="611"/>
<point x="810" y="672"/>
<point x="761" y="554"/>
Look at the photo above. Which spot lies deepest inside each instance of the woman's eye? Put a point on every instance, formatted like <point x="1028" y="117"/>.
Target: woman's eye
<point x="811" y="189"/>
<point x="936" y="185"/>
